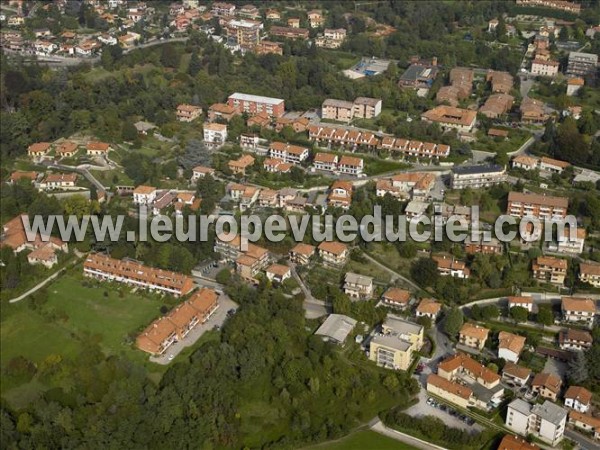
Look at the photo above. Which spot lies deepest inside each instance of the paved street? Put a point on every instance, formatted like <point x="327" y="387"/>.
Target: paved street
<point x="217" y="319"/>
<point x="584" y="442"/>
<point x="378" y="426"/>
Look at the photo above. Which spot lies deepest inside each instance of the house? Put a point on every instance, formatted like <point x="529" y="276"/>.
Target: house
<point x="497" y="105"/>
<point x="133" y="273"/>
<point x="267" y="198"/>
<point x="325" y="161"/>
<point x="498" y="133"/>
<point x="523" y="302"/>
<point x="415" y="209"/>
<point x="274" y="165"/>
<point x="548" y="269"/>
<point x="19" y="175"/>
<point x="450" y="391"/>
<point x="544" y="68"/>
<point x="575" y="340"/>
<point x="215" y="134"/>
<point x="222" y="9"/>
<point x="241" y="164"/>
<point x="589" y="273"/>
<point x="44" y="254"/>
<point x="358" y="286"/>
<point x="585" y="422"/>
<point x="397" y="343"/>
<point x="67" y="149"/>
<point x="278" y="273"/>
<point x="163" y="200"/>
<point x="333" y="253"/>
<point x="449" y="117"/>
<point x="14" y="236"/>
<point x="266" y="47"/>
<point x="302" y="253"/>
<point x="249" y="141"/>
<point x="510" y="346"/>
<point x="419" y="75"/>
<point x="188" y="113"/>
<point x="200" y="172"/>
<point x="525" y="162"/>
<point x="502" y="82"/>
<point x="293" y="154"/>
<point x="578" y="398"/>
<point x="273" y="14"/>
<point x="222" y="111"/>
<point x="510" y="442"/>
<point x="144" y="195"/>
<point x="478" y="176"/>
<point x="58" y="181"/>
<point x="429" y="308"/>
<point x="38" y="149"/>
<point x="579" y="310"/>
<point x="516" y="375"/>
<point x="546" y="421"/>
<point x="254" y="104"/>
<point x="249" y="11"/>
<point x="552" y="165"/>
<point x="567" y="245"/>
<point x="450" y="266"/>
<point x="250" y="263"/>
<point x="535" y="205"/>
<point x="331" y="38"/>
<point x="473" y="336"/>
<point x="396" y="298"/>
<point x="143" y="127"/>
<point x="574" y="85"/>
<point x="336" y="328"/>
<point x="293" y="22"/>
<point x="315" y="18"/>
<point x="546" y="385"/>
<point x="96" y="148"/>
<point x="533" y="111"/>
<point x="481" y="245"/>
<point x="351" y="165"/>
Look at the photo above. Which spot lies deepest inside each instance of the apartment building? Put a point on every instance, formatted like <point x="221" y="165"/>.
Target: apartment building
<point x="251" y="262"/>
<point x="289" y="32"/>
<point x="366" y="107"/>
<point x="449" y="390"/>
<point x="241" y="164"/>
<point x="578" y="398"/>
<point x="497" y="105"/>
<point x="544" y="68"/>
<point x="481" y="245"/>
<point x="589" y="273"/>
<point x="302" y="253"/>
<point x="516" y="375"/>
<point x="582" y="64"/>
<point x="395" y="297"/>
<point x="133" y="273"/>
<point x="215" y="134"/>
<point x="351" y="165"/>
<point x="255" y="104"/>
<point x="510" y="442"/>
<point x="340" y="194"/>
<point x="473" y="336"/>
<point x="428" y="307"/>
<point x="340" y="110"/>
<point x="523" y="302"/>
<point x="325" y="161"/>
<point x="333" y="253"/>
<point x="222" y="9"/>
<point x="575" y="340"/>
<point x="176" y="325"/>
<point x="449" y="117"/>
<point x="293" y="154"/>
<point x="547" y="385"/>
<point x="477" y="176"/>
<point x="535" y="205"/>
<point x="548" y="269"/>
<point x="244" y="32"/>
<point x="567" y="245"/>
<point x="395" y="346"/>
<point x="188" y="113"/>
<point x="546" y="421"/>
<point x="579" y="310"/>
<point x="448" y="266"/>
<point x="510" y="346"/>
<point x="144" y="195"/>
<point x="358" y="286"/>
<point x="533" y="111"/>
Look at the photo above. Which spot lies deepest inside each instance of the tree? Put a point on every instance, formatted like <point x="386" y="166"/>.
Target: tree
<point x="407" y="249"/>
<point x="545" y="315"/>
<point x="490" y="312"/>
<point x="223" y="277"/>
<point x="453" y="322"/>
<point x="519" y="313"/>
<point x="129" y="132"/>
<point x="424" y="272"/>
<point x="195" y="65"/>
<point x="169" y="56"/>
<point x="578" y="372"/>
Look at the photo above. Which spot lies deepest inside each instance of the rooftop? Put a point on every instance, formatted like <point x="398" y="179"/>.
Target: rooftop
<point x="550" y="412"/>
<point x="336" y="327"/>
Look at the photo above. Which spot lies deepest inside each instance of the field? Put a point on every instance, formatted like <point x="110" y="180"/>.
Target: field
<point x="363" y="440"/>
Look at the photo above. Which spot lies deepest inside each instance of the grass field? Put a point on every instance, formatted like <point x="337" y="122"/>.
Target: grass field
<point x="363" y="440"/>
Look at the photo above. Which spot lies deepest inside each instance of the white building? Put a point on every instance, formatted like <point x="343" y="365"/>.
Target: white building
<point x="215" y="134"/>
<point x="293" y="154"/>
<point x="546" y="421"/>
<point x="144" y="195"/>
<point x="578" y="398"/>
<point x="544" y="68"/>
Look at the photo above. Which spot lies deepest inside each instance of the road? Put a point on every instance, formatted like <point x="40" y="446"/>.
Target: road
<point x="584" y="442"/>
<point x="313" y="308"/>
<point x="377" y="426"/>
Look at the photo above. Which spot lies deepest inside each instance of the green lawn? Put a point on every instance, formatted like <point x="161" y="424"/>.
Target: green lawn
<point x="107" y="177"/>
<point x="363" y="440"/>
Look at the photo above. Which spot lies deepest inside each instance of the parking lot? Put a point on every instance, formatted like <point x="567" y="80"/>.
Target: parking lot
<point x="215" y="321"/>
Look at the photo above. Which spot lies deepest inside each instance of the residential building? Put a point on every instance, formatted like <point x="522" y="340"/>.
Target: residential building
<point x="585" y="422"/>
<point x="523" y="302"/>
<point x="249" y="11"/>
<point x="188" y="113"/>
<point x="415" y="209"/>
<point x="38" y="149"/>
<point x="473" y="336"/>
<point x="516" y="375"/>
<point x="541" y="206"/>
<point x="579" y="310"/>
<point x="351" y="165"/>
<point x="544" y="68"/>
<point x="448" y="117"/>
<point x="550" y="165"/>
<point x="200" y="172"/>
<point x="449" y="390"/>
<point x="477" y="176"/>
<point x="546" y="421"/>
<point x="293" y="22"/>
<point x="67" y="149"/>
<point x="302" y="253"/>
<point x="563" y="5"/>
<point x="395" y="346"/>
<point x="497" y="105"/>
<point x="222" y="9"/>
<point x="578" y="398"/>
<point x="548" y="269"/>
<point x="331" y="38"/>
<point x="267" y="198"/>
<point x="254" y="104"/>
<point x="574" y="85"/>
<point x="525" y="162"/>
<point x="275" y="165"/>
<point x="144" y="195"/>
<point x="325" y="161"/>
<point x="315" y="18"/>
<point x="278" y="273"/>
<point x="589" y="273"/>
<point x="252" y="261"/>
<point x="289" y="32"/>
<point x="333" y="253"/>
<point x="58" y="181"/>
<point x="366" y="107"/>
<point x="340" y="110"/>
<point x="19" y="175"/>
<point x="358" y="286"/>
<point x="533" y="111"/>
<point x="498" y="133"/>
<point x="582" y="64"/>
<point x="396" y="298"/>
<point x="96" y="148"/>
<point x="428" y="307"/>
<point x="510" y="442"/>
<point x="133" y="273"/>
<point x="450" y="266"/>
<point x="336" y="328"/>
<point x="350" y="138"/>
<point x="293" y="154"/>
<point x="510" y="346"/>
<point x="340" y="194"/>
<point x="575" y="340"/>
<point x="215" y="134"/>
<point x="249" y="141"/>
<point x="244" y="32"/>
<point x="481" y="245"/>
<point x="502" y="82"/>
<point x="567" y="245"/>
<point x="265" y="47"/>
<point x="241" y="164"/>
<point x="419" y="75"/>
<point x="547" y="385"/>
<point x="415" y="148"/>
<point x="222" y="111"/>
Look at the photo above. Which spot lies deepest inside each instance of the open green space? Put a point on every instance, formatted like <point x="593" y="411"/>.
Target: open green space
<point x="363" y="440"/>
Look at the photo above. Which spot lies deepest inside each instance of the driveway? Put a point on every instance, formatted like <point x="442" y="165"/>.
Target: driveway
<point x="217" y="319"/>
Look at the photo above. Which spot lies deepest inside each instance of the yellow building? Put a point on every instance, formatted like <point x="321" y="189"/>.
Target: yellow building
<point x="395" y="345"/>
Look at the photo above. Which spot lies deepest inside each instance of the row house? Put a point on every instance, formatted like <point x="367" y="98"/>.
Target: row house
<point x="340" y="194"/>
<point x="188" y="113"/>
<point x="579" y="310"/>
<point x="254" y="104"/>
<point x="452" y="267"/>
<point x="302" y="253"/>
<point x="351" y="138"/>
<point x="358" y="286"/>
<point x="589" y="273"/>
<point x="397" y="343"/>
<point x="293" y="154"/>
<point x="415" y="148"/>
<point x="535" y="205"/>
<point x="177" y="324"/>
<point x="428" y="307"/>
<point x="473" y="336"/>
<point x="478" y="176"/>
<point x="133" y="273"/>
<point x="274" y="165"/>
<point x="333" y="254"/>
<point x="547" y="385"/>
<point x="562" y="5"/>
<point x="289" y="32"/>
<point x="575" y="340"/>
<point x="544" y="421"/>
<point x="315" y="18"/>
<point x="240" y="165"/>
<point x="58" y="181"/>
<point x="548" y="269"/>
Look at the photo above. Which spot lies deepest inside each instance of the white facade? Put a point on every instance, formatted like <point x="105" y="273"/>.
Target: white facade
<point x="546" y="421"/>
<point x="508" y="355"/>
